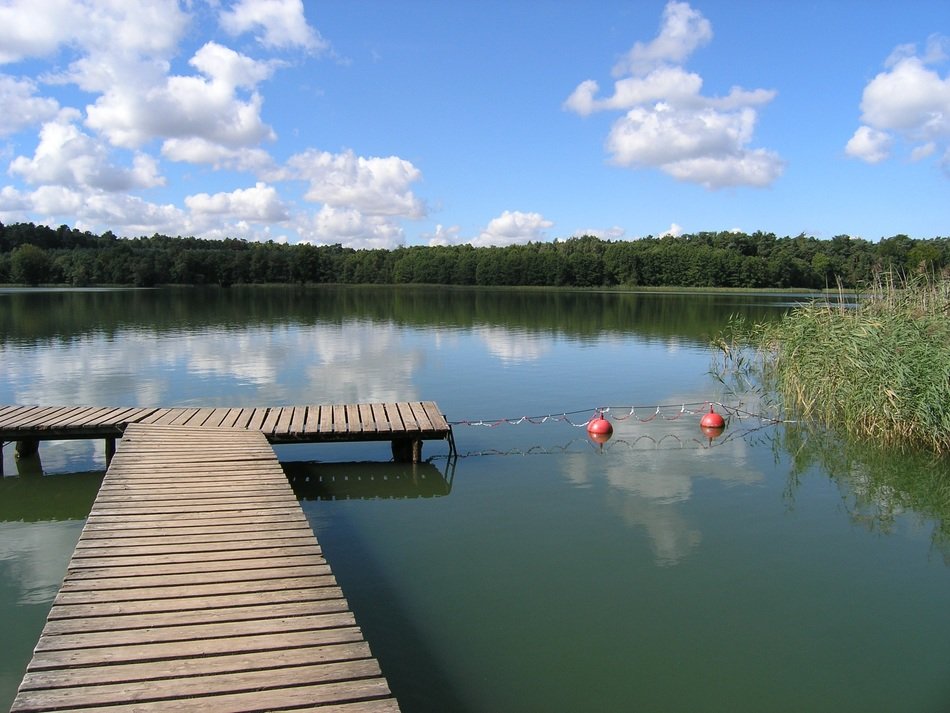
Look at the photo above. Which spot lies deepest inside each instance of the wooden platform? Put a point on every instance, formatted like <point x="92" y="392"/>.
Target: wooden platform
<point x="406" y="424"/>
<point x="197" y="585"/>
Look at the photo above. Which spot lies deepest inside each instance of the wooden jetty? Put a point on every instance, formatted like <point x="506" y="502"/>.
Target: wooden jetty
<point x="198" y="585"/>
<point x="406" y="424"/>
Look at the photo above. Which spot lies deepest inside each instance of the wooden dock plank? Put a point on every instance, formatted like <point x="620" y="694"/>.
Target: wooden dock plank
<point x="422" y="418"/>
<point x="287" y="581"/>
<point x="367" y="420"/>
<point x="312" y="423"/>
<point x="45" y="417"/>
<point x="295" y="694"/>
<point x="256" y="420"/>
<point x="225" y="663"/>
<point x="296" y="423"/>
<point x="285" y="419"/>
<point x="273" y="416"/>
<point x="326" y="419"/>
<point x="395" y="417"/>
<point x="339" y="419"/>
<point x="153" y="417"/>
<point x="354" y="423"/>
<point x="90" y="415"/>
<point x="204" y="597"/>
<point x="64" y="419"/>
<point x="105" y="610"/>
<point x="108" y="417"/>
<point x="407" y="416"/>
<point x="263" y="612"/>
<point x="380" y="418"/>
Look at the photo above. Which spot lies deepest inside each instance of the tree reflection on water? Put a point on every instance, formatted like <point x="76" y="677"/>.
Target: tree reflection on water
<point x="878" y="486"/>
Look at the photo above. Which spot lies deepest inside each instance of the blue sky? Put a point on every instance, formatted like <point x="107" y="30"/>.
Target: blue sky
<point x="378" y="124"/>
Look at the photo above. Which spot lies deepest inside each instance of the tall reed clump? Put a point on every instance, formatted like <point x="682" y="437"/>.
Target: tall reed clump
<point x="879" y="370"/>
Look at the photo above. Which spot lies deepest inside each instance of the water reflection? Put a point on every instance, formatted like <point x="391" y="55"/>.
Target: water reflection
<point x="33" y="557"/>
<point x="368" y="481"/>
<point x="513" y="346"/>
<point x="30" y="317"/>
<point x="289" y="364"/>
<point x="44" y="498"/>
<point x="879" y="488"/>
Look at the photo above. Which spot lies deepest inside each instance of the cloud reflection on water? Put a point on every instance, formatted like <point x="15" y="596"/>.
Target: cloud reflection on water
<point x="279" y="364"/>
<point x="650" y="471"/>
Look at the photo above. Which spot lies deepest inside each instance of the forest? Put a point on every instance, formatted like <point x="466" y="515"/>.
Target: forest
<point x="40" y="255"/>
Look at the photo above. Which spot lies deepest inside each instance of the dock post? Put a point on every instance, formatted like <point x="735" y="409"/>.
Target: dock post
<point x="407" y="450"/>
<point x="27" y="447"/>
<point x="110" y="450"/>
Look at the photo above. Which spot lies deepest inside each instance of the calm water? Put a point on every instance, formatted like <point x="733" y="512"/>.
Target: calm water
<point x="764" y="571"/>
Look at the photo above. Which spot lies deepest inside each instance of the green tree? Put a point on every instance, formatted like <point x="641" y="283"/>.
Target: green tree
<point x="30" y="265"/>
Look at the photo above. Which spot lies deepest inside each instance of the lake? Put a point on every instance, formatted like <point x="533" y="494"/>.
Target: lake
<point x="773" y="568"/>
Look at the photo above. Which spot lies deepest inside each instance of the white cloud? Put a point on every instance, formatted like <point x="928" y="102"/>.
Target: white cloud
<point x="669" y="124"/>
<point x="373" y="186"/>
<point x="66" y="156"/>
<point x="675" y="230"/>
<point x="443" y="235"/>
<point x="37" y="28"/>
<point x="513" y="227"/>
<point x="56" y="200"/>
<point x="12" y="203"/>
<point x="910" y="101"/>
<point x="869" y="145"/>
<point x="350" y="227"/>
<point x="130" y="215"/>
<point x="683" y="31"/>
<point x="921" y="152"/>
<point x="278" y="23"/>
<point x="21" y="106"/>
<point x="197" y="150"/>
<point x="260" y="204"/>
<point x="34" y="28"/>
<point x="614" y="233"/>
<point x="207" y="107"/>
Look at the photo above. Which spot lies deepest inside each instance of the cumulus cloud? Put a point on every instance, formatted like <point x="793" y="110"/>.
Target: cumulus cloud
<point x="513" y="227"/>
<point x="682" y="31"/>
<point x="348" y="226"/>
<point x="197" y="150"/>
<point x="277" y="23"/>
<point x="869" y="145"/>
<point x="909" y="101"/>
<point x="668" y="123"/>
<point x="374" y="186"/>
<point x="443" y="235"/>
<point x="37" y="28"/>
<point x="34" y="28"/>
<point x="21" y="106"/>
<point x="66" y="156"/>
<point x="260" y="204"/>
<point x="209" y="107"/>
<point x="614" y="233"/>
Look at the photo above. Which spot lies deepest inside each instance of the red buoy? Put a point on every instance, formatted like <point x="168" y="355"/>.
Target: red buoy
<point x="712" y="420"/>
<point x="599" y="426"/>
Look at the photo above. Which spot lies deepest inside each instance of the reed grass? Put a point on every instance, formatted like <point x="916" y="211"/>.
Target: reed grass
<point x="879" y="370"/>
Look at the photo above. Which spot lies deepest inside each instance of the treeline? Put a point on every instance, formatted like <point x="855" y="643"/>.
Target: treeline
<point x="37" y="254"/>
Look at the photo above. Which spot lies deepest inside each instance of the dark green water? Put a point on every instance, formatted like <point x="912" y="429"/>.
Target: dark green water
<point x="771" y="569"/>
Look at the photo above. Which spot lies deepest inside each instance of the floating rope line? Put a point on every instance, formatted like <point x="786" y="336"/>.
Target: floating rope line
<point x="668" y="442"/>
<point x="624" y="413"/>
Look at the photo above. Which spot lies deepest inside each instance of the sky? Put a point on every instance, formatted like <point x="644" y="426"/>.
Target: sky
<point x="377" y="124"/>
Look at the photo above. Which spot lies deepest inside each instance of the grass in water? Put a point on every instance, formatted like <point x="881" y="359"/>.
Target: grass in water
<point x="879" y="370"/>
